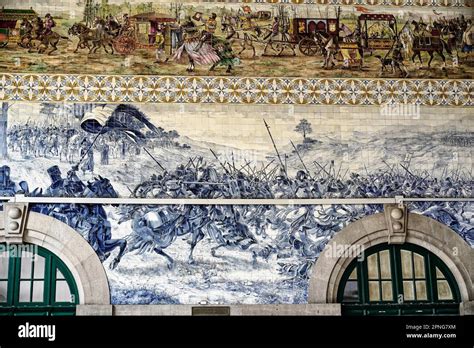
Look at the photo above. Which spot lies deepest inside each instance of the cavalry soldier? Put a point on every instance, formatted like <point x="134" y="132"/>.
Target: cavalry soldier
<point x="38" y="27"/>
<point x="26" y="28"/>
<point x="424" y="36"/>
<point x="49" y="24"/>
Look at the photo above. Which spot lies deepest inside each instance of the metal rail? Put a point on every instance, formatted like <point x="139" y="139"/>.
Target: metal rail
<point x="225" y="201"/>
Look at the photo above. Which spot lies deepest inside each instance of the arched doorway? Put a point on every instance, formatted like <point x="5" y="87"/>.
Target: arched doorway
<point x="446" y="256"/>
<point x="68" y="252"/>
<point x="398" y="280"/>
<point x="34" y="281"/>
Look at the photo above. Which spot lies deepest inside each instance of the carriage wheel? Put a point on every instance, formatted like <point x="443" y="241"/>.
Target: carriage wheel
<point x="125" y="44"/>
<point x="308" y="47"/>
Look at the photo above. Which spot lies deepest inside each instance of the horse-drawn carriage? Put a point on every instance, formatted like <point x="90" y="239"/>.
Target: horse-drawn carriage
<point x="143" y="30"/>
<point x="10" y="30"/>
<point x="303" y="31"/>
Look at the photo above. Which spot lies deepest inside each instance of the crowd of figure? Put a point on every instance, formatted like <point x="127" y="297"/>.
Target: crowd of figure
<point x="69" y="144"/>
<point x="294" y="234"/>
<point x="199" y="180"/>
<point x="195" y="39"/>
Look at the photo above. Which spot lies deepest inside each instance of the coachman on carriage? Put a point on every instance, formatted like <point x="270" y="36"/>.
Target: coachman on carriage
<point x="10" y="24"/>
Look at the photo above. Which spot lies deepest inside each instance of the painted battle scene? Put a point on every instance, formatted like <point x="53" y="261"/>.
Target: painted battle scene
<point x="160" y="38"/>
<point x="226" y="254"/>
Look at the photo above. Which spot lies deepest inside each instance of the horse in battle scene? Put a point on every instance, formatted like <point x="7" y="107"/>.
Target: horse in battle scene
<point x="93" y="219"/>
<point x="155" y="230"/>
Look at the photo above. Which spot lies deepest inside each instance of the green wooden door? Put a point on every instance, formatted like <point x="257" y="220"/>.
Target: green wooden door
<point x="33" y="281"/>
<point x="398" y="280"/>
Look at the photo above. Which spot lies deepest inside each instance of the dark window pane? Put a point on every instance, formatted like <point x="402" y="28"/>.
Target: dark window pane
<point x="351" y="292"/>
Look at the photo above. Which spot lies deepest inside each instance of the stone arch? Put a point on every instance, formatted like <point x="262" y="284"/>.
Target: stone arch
<point x="73" y="250"/>
<point x="372" y="230"/>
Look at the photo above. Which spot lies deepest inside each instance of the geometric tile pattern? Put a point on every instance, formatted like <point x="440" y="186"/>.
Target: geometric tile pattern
<point x="233" y="90"/>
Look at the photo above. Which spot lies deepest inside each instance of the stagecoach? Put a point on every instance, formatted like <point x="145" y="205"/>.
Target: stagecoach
<point x="303" y="31"/>
<point x="143" y="32"/>
<point x="10" y="24"/>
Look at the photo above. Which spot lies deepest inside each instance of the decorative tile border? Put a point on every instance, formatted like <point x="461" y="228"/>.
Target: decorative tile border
<point x="411" y="3"/>
<point x="233" y="90"/>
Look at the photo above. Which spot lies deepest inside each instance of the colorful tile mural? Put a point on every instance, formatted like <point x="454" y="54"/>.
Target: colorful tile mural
<point x="250" y="40"/>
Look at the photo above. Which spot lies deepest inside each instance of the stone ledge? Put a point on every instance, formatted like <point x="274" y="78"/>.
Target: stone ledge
<point x="325" y="309"/>
<point x="101" y="310"/>
<point x="466" y="308"/>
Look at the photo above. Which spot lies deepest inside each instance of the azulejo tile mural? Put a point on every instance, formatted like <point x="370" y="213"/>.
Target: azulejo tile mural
<point x="251" y="253"/>
<point x="232" y="39"/>
<point x="233" y="90"/>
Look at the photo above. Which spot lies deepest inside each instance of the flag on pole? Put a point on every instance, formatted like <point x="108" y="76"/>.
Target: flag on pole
<point x="124" y="118"/>
<point x="362" y="9"/>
